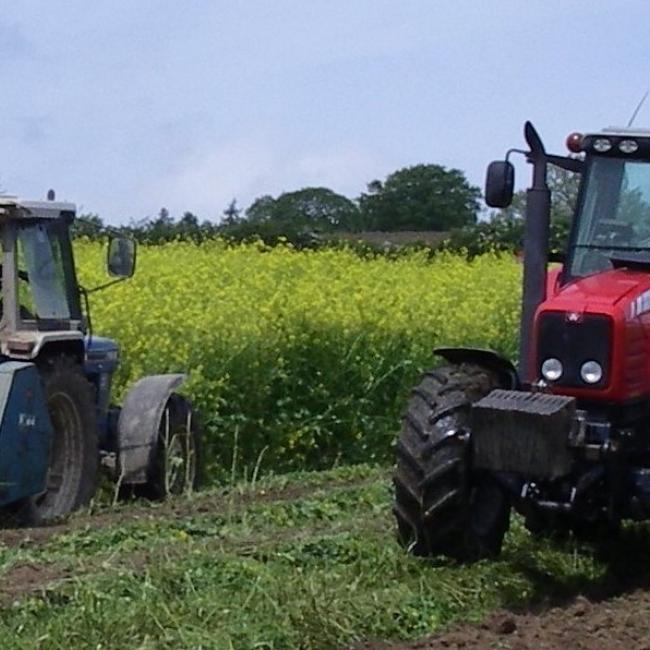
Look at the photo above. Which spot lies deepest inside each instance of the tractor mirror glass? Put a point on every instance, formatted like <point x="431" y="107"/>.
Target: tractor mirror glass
<point x="121" y="257"/>
<point x="499" y="184"/>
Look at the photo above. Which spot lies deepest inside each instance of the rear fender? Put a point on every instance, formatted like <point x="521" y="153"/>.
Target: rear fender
<point x="139" y="422"/>
<point x="503" y="367"/>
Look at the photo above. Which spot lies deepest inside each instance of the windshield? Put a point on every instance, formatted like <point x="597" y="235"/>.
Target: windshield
<point x="614" y="214"/>
<point x="47" y="288"/>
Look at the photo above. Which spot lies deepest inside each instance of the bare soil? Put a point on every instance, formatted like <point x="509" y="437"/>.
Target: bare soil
<point x="29" y="579"/>
<point x="621" y="623"/>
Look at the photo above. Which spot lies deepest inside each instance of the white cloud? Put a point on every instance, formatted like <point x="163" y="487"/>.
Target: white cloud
<point x="204" y="183"/>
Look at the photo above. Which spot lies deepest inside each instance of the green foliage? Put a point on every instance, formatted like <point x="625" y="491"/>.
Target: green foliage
<point x="501" y="233"/>
<point x="422" y="197"/>
<point x="297" y="217"/>
<point x="315" y="207"/>
<point x="88" y="226"/>
<point x="164" y="228"/>
<point x="504" y="231"/>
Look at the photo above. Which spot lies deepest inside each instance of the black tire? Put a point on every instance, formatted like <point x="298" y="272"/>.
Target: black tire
<point x="74" y="457"/>
<point x="177" y="465"/>
<point x="441" y="506"/>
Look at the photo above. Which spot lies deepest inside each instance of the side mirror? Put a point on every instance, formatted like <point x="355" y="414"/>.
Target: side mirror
<point x="121" y="257"/>
<point x="499" y="184"/>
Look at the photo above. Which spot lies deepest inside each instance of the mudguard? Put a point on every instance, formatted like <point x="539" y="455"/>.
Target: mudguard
<point x="139" y="423"/>
<point x="505" y="369"/>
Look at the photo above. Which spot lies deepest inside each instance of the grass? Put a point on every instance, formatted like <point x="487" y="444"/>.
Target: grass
<point x="299" y="561"/>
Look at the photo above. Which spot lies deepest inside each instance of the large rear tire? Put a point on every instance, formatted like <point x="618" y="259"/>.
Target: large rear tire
<point x="441" y="506"/>
<point x="74" y="457"/>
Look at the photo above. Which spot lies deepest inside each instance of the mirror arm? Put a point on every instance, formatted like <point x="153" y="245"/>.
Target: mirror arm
<point x="84" y="292"/>
<point x="570" y="164"/>
<point x="105" y="285"/>
<point x="521" y="151"/>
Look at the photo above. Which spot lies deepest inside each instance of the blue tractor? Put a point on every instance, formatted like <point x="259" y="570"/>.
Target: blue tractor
<point x="57" y="423"/>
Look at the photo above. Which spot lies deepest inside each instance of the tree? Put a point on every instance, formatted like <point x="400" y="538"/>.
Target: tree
<point x="87" y="225"/>
<point x="261" y="209"/>
<point x="505" y="228"/>
<point x="564" y="187"/>
<point x="231" y="213"/>
<point x="422" y="197"/>
<point x="316" y="208"/>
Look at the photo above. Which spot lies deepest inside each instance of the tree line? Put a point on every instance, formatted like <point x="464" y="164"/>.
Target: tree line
<point x="421" y="197"/>
<point x="425" y="197"/>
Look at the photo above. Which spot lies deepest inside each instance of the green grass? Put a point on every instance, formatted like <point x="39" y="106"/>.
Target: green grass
<point x="299" y="561"/>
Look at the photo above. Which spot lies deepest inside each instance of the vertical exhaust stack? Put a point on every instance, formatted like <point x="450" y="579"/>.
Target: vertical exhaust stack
<point x="536" y="245"/>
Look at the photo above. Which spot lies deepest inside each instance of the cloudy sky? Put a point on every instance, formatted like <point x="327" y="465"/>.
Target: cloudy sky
<point x="127" y="106"/>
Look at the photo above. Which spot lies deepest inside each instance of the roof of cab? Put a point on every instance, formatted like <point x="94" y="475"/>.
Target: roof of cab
<point x="38" y="209"/>
<point x="625" y="131"/>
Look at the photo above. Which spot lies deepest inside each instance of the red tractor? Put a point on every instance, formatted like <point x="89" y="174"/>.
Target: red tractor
<point x="564" y="438"/>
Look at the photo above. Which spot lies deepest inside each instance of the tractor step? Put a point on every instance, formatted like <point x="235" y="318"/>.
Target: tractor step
<point x="522" y="432"/>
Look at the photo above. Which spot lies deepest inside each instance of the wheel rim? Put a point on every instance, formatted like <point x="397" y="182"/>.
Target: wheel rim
<point x="179" y="453"/>
<point x="64" y="469"/>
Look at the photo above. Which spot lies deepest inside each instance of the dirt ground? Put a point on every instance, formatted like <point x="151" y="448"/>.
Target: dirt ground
<point x="621" y="623"/>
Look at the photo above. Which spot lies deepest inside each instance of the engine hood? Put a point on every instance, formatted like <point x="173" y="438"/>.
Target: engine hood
<point x="602" y="290"/>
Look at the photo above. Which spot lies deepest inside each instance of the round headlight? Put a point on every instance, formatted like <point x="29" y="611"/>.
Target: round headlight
<point x="628" y="146"/>
<point x="601" y="145"/>
<point x="591" y="372"/>
<point x="552" y="369"/>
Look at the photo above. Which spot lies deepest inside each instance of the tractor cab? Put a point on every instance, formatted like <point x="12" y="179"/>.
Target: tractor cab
<point x="612" y="223"/>
<point x="41" y="306"/>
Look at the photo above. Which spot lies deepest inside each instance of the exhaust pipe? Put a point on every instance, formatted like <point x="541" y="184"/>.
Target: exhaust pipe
<point x="536" y="245"/>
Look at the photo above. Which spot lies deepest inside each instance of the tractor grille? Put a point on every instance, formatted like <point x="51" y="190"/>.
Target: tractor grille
<point x="573" y="343"/>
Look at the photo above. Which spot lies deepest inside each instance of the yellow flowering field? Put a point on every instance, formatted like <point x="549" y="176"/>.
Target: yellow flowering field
<point x="297" y="358"/>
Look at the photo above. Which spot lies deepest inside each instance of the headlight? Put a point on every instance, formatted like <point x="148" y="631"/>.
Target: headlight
<point x="552" y="369"/>
<point x="601" y="145"/>
<point x="591" y="372"/>
<point x="628" y="146"/>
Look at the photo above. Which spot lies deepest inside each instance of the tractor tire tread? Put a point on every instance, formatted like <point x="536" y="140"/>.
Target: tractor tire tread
<point x="434" y="486"/>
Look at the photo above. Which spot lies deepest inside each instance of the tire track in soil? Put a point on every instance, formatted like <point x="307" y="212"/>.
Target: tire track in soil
<point x="175" y="508"/>
<point x="28" y="579"/>
<point x="621" y="623"/>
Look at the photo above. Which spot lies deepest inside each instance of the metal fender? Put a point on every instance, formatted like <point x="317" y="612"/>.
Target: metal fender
<point x="490" y="359"/>
<point x="139" y="423"/>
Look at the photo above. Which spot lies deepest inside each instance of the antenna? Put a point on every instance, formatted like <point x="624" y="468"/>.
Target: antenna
<point x="638" y="108"/>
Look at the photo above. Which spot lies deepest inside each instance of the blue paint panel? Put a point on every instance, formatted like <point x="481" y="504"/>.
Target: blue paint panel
<point x="100" y="363"/>
<point x="25" y="432"/>
<point x="101" y="355"/>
